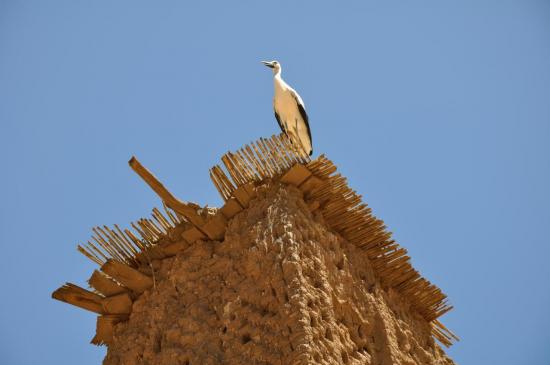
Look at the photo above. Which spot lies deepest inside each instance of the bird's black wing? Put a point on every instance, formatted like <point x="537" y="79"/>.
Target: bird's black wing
<point x="279" y="121"/>
<point x="303" y="113"/>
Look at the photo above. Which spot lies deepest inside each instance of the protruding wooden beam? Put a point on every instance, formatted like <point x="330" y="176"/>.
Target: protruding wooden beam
<point x="215" y="226"/>
<point x="127" y="276"/>
<point x="310" y="184"/>
<point x="230" y="208"/>
<point x="103" y="284"/>
<point x="314" y="205"/>
<point x="170" y="200"/>
<point x="117" y="304"/>
<point x="296" y="175"/>
<point x="242" y="196"/>
<point x="172" y="248"/>
<point x="80" y="297"/>
<point x="105" y="328"/>
<point x="192" y="234"/>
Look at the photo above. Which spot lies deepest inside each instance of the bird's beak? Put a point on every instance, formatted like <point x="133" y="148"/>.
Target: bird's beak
<point x="268" y="64"/>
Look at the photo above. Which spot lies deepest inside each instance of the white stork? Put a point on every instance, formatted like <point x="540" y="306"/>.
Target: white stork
<point x="289" y="110"/>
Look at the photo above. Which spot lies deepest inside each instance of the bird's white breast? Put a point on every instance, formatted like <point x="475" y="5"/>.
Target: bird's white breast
<point x="284" y="103"/>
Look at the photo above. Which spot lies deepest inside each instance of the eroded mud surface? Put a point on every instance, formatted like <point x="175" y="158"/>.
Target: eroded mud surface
<point x="280" y="289"/>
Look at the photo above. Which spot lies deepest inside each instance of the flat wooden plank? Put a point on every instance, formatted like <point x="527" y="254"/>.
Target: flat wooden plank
<point x="174" y="248"/>
<point x="231" y="208"/>
<point x="192" y="234"/>
<point x="175" y="234"/>
<point x="310" y="184"/>
<point x="215" y="227"/>
<point x="296" y="175"/>
<point x="250" y="189"/>
<point x="105" y="326"/>
<point x="242" y="196"/>
<point x="105" y="285"/>
<point x="314" y="205"/>
<point x="127" y="276"/>
<point x="117" y="304"/>
<point x="80" y="297"/>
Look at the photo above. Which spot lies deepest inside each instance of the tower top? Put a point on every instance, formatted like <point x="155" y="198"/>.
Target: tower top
<point x="129" y="259"/>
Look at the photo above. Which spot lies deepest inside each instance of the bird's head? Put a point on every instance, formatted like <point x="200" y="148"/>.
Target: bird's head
<point x="274" y="65"/>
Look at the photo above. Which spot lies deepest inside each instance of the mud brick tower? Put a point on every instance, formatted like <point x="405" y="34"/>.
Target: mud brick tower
<point x="293" y="269"/>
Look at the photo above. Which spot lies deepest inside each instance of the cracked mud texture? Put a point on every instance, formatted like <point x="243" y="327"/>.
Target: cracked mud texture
<point x="282" y="288"/>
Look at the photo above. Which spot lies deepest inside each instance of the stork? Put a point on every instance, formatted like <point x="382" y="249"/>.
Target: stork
<point x="290" y="111"/>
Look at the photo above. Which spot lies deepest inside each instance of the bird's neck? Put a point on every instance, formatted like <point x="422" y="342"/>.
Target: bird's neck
<point x="278" y="83"/>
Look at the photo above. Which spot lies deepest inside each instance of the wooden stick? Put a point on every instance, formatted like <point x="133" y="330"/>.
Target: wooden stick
<point x="254" y="161"/>
<point x="98" y="251"/>
<point x="156" y="228"/>
<point x="146" y="239"/>
<point x="128" y="241"/>
<point x="172" y="217"/>
<point x="90" y="255"/>
<point x="225" y="183"/>
<point x="157" y="214"/>
<point x="263" y="163"/>
<point x="269" y="157"/>
<point x="277" y="154"/>
<point x="248" y="171"/>
<point x="233" y="172"/>
<point x="170" y="200"/>
<point x="218" y="185"/>
<point x="139" y="243"/>
<point x="127" y="249"/>
<point x="101" y="242"/>
<point x="283" y="151"/>
<point x="149" y="234"/>
<point x="125" y="255"/>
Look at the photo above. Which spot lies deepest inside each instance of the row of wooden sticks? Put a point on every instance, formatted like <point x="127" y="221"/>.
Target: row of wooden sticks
<point x="124" y="245"/>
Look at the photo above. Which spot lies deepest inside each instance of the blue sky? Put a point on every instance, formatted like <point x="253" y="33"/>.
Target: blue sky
<point x="437" y="111"/>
